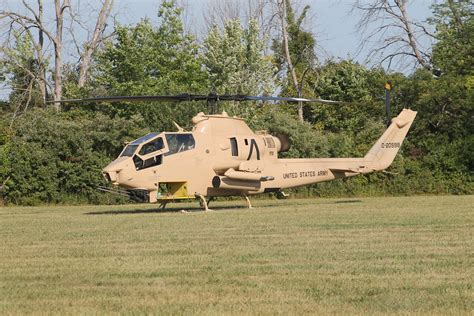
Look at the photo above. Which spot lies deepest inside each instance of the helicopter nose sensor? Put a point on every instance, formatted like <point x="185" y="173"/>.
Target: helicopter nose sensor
<point x="111" y="173"/>
<point x="111" y="176"/>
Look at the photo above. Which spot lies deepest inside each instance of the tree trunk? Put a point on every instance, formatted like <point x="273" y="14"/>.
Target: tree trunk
<point x="291" y="69"/>
<point x="58" y="46"/>
<point x="91" y="46"/>
<point x="58" y="78"/>
<point x="41" y="68"/>
<point x="411" y="37"/>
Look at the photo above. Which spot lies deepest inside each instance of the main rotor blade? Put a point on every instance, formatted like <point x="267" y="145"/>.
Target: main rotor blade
<point x="140" y="98"/>
<point x="193" y="97"/>
<point x="271" y="98"/>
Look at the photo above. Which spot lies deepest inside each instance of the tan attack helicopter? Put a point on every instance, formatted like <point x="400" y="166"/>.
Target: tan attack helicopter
<point x="222" y="156"/>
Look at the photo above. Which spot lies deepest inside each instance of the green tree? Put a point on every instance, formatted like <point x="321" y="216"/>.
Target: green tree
<point x="360" y="89"/>
<point x="448" y="101"/>
<point x="22" y="74"/>
<point x="454" y="51"/>
<point x="235" y="61"/>
<point x="147" y="60"/>
<point x="301" y="43"/>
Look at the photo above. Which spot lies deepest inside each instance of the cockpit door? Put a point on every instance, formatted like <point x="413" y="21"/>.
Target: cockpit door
<point x="150" y="153"/>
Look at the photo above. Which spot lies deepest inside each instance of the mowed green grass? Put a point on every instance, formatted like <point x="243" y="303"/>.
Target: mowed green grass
<point x="366" y="256"/>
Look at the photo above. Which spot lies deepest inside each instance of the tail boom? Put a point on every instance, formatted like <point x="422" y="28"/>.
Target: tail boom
<point x="306" y="171"/>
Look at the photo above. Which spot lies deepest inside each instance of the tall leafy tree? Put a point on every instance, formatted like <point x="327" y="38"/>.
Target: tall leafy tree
<point x="235" y="60"/>
<point x="23" y="74"/>
<point x="144" y="59"/>
<point x="454" y="51"/>
<point x="440" y="144"/>
<point x="350" y="82"/>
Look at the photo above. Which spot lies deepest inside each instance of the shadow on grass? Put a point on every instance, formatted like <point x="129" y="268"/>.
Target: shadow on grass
<point x="348" y="201"/>
<point x="197" y="209"/>
<point x="166" y="210"/>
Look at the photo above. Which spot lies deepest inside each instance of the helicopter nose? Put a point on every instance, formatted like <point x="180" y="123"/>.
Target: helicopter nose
<point x="111" y="176"/>
<point x="113" y="170"/>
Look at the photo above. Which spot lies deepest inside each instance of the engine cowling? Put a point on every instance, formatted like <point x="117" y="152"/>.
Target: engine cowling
<point x="280" y="142"/>
<point x="284" y="142"/>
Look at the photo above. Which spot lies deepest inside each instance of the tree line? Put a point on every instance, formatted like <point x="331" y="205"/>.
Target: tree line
<point x="52" y="153"/>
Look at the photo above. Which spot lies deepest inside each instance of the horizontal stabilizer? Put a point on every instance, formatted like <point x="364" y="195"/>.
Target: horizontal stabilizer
<point x="360" y="168"/>
<point x="335" y="170"/>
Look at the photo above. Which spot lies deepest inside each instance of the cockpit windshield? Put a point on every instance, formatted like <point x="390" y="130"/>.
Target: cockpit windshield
<point x="179" y="142"/>
<point x="152" y="146"/>
<point x="132" y="147"/>
<point x="144" y="139"/>
<point x="129" y="151"/>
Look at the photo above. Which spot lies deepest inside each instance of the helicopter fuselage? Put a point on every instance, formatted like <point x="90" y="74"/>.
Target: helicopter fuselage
<point x="222" y="156"/>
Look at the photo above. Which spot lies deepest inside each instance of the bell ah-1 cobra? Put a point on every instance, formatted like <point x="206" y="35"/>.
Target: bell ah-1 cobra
<point x="222" y="156"/>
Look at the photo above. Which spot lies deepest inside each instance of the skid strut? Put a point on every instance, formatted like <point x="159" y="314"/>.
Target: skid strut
<point x="203" y="202"/>
<point x="249" y="205"/>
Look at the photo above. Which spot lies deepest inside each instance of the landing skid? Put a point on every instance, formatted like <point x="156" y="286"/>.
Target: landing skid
<point x="203" y="201"/>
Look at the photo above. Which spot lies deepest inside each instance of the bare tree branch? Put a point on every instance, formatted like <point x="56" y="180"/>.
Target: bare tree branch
<point x="92" y="44"/>
<point x="16" y="17"/>
<point x="262" y="11"/>
<point x="32" y="18"/>
<point x="391" y="32"/>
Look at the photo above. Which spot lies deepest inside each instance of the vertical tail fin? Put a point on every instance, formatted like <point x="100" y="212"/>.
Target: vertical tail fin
<point x="382" y="154"/>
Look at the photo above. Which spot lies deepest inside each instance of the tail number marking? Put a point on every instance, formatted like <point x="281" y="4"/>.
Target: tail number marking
<point x="390" y="145"/>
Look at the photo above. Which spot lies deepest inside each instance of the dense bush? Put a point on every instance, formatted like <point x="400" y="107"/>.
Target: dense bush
<point x="57" y="157"/>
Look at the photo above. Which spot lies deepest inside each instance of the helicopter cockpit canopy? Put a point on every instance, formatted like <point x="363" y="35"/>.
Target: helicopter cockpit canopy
<point x="179" y="142"/>
<point x="148" y="151"/>
<point x="132" y="147"/>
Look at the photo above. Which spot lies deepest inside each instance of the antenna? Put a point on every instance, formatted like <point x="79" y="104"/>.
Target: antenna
<point x="388" y="86"/>
<point x="212" y="103"/>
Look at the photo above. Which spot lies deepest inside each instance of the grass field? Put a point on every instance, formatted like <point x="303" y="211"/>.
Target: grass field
<point x="366" y="256"/>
